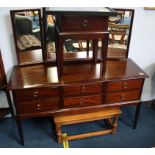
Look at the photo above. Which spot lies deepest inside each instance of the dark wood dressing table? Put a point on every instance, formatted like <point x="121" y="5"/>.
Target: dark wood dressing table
<point x="45" y="89"/>
<point x="37" y="91"/>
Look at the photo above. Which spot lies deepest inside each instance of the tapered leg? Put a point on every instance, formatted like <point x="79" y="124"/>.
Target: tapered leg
<point x="20" y="130"/>
<point x="9" y="102"/>
<point x="115" y="124"/>
<point x="137" y="115"/>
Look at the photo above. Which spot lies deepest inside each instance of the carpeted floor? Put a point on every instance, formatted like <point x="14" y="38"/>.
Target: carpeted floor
<point x="39" y="132"/>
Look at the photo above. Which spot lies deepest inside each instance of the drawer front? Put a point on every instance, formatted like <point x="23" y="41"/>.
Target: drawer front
<point x="82" y="101"/>
<point x="36" y="94"/>
<point x="83" y="23"/>
<point x="73" y="90"/>
<point x="37" y="106"/>
<point x="124" y="85"/>
<point x="122" y="96"/>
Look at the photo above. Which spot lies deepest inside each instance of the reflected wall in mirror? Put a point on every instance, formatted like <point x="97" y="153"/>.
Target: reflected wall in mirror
<point x="27" y="31"/>
<point x="120" y="28"/>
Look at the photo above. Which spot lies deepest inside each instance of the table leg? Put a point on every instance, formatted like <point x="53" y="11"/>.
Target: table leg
<point x="138" y="107"/>
<point x="20" y="130"/>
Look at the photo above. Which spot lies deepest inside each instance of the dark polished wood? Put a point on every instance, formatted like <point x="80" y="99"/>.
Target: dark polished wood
<point x="3" y="87"/>
<point x="47" y="89"/>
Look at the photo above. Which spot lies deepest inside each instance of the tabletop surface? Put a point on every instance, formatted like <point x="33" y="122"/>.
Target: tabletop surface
<point x="42" y="75"/>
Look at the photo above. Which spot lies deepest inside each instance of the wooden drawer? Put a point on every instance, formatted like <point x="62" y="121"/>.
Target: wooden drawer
<point x="124" y="85"/>
<point x="36" y="93"/>
<point x="73" y="90"/>
<point x="82" y="23"/>
<point x="37" y="106"/>
<point x="123" y="96"/>
<point x="82" y="101"/>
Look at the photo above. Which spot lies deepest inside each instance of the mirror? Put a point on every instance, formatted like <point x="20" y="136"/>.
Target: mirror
<point x="119" y="27"/>
<point x="27" y="32"/>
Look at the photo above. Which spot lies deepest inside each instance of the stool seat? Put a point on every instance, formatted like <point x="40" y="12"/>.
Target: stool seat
<point x="110" y="114"/>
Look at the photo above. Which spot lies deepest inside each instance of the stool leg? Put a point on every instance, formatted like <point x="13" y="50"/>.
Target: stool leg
<point x="115" y="124"/>
<point x="59" y="133"/>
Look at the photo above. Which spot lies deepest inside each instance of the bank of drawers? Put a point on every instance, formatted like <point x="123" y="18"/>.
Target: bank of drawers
<point x="37" y="100"/>
<point x="82" y="95"/>
<point x="70" y="23"/>
<point x="123" y="91"/>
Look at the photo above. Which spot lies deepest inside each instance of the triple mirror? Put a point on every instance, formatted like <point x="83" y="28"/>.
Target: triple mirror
<point x="28" y="34"/>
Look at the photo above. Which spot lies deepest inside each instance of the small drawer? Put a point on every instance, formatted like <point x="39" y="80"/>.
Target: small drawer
<point x="82" y="101"/>
<point x="36" y="93"/>
<point x="82" y="23"/>
<point x="73" y="90"/>
<point x="124" y="85"/>
<point x="122" y="96"/>
<point x="37" y="106"/>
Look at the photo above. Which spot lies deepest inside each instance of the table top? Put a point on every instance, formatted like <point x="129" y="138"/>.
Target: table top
<point x="42" y="75"/>
<point x="93" y="11"/>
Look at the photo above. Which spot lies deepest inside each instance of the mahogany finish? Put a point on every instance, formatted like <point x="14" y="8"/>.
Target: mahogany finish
<point x="47" y="89"/>
<point x="71" y="23"/>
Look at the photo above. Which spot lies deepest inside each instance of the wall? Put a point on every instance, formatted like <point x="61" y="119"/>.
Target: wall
<point x="142" y="47"/>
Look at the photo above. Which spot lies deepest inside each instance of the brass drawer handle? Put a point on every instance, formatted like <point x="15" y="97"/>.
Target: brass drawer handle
<point x="82" y="101"/>
<point x="83" y="87"/>
<point x="85" y="23"/>
<point x="125" y="85"/>
<point x="123" y="97"/>
<point x="35" y="94"/>
<point x="38" y="106"/>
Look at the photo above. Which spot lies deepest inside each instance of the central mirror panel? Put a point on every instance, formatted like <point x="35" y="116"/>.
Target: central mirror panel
<point x="119" y="27"/>
<point x="27" y="35"/>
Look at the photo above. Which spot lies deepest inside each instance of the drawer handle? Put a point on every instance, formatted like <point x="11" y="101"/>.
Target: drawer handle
<point x="85" y="23"/>
<point x="38" y="106"/>
<point x="35" y="94"/>
<point x="123" y="97"/>
<point x="125" y="85"/>
<point x="82" y="101"/>
<point x="83" y="87"/>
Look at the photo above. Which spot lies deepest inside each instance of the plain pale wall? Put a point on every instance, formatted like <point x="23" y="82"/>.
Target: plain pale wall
<point x="142" y="46"/>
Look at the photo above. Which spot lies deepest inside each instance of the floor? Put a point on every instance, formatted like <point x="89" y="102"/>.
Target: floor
<point x="40" y="133"/>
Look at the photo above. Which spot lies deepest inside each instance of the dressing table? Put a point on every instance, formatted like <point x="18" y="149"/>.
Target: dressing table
<point x="44" y="89"/>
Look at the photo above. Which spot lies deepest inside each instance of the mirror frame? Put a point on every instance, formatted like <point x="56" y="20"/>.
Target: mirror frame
<point x="12" y="14"/>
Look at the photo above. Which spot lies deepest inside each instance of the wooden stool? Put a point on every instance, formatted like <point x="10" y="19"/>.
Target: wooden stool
<point x="110" y="114"/>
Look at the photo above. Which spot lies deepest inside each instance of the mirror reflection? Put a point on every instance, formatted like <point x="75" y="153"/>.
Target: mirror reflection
<point x="119" y="28"/>
<point x="27" y="34"/>
<point x="119" y="33"/>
